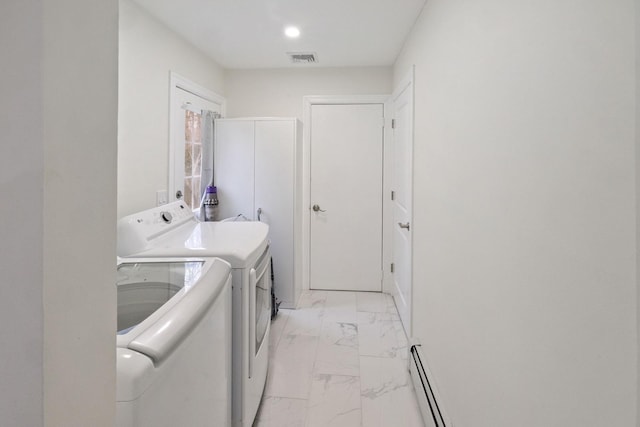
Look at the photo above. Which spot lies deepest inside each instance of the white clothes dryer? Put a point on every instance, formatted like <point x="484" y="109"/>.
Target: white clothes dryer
<point x="173" y="230"/>
<point x="173" y="345"/>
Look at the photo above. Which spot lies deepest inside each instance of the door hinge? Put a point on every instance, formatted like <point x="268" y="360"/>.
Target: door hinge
<point x="393" y="195"/>
<point x="393" y="123"/>
<point x="393" y="267"/>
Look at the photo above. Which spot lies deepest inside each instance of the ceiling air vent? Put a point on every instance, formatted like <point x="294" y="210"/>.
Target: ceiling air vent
<point x="303" y="57"/>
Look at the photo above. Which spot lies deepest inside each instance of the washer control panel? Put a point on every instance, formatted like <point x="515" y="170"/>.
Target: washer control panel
<point x="137" y="230"/>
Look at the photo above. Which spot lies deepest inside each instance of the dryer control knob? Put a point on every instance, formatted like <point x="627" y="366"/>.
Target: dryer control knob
<point x="166" y="217"/>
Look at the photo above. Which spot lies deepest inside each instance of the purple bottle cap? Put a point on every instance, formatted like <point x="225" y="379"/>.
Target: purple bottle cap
<point x="211" y="189"/>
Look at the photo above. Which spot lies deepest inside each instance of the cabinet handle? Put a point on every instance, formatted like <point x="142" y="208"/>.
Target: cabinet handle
<point x="405" y="225"/>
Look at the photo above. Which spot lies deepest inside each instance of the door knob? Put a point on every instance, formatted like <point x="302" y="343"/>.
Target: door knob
<point x="405" y="225"/>
<point x="316" y="208"/>
<point x="179" y="194"/>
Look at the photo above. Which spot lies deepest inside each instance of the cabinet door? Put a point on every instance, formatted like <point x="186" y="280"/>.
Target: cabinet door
<point x="234" y="167"/>
<point x="274" y="195"/>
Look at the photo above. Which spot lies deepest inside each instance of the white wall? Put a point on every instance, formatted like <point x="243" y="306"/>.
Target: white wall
<point x="148" y="52"/>
<point x="637" y="158"/>
<point x="278" y="92"/>
<point x="58" y="177"/>
<point x="524" y="281"/>
<point x="21" y="176"/>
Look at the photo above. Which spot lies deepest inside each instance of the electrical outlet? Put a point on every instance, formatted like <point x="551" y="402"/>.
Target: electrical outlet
<point x="161" y="197"/>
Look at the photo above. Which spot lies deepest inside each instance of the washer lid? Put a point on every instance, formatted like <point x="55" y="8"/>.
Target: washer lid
<point x="159" y="303"/>
<point x="134" y="374"/>
<point x="143" y="288"/>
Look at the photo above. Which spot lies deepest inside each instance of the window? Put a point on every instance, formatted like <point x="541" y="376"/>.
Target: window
<point x="188" y="101"/>
<point x="192" y="158"/>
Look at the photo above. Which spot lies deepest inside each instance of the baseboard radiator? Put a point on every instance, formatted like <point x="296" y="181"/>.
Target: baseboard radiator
<point x="428" y="398"/>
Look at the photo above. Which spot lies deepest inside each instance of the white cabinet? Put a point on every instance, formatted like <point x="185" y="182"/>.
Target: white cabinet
<point x="258" y="169"/>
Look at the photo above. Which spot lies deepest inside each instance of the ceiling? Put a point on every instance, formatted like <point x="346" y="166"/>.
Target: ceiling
<point x="250" y="33"/>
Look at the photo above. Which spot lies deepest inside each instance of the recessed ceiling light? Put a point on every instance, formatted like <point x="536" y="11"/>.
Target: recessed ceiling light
<point x="292" y="32"/>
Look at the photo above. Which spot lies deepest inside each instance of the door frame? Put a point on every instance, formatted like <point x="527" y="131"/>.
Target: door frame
<point x="387" y="212"/>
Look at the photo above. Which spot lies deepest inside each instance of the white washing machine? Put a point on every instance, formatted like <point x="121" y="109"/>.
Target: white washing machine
<point x="173" y="344"/>
<point x="173" y="230"/>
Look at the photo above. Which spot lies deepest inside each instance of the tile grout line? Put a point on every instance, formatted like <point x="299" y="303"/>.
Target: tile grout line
<point x="277" y="343"/>
<point x="315" y="358"/>
<point x="359" y="364"/>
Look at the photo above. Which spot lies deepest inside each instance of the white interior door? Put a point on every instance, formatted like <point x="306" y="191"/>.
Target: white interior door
<point x="403" y="194"/>
<point x="346" y="195"/>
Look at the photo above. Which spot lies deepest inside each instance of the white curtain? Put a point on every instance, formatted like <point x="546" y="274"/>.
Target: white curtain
<point x="207" y="127"/>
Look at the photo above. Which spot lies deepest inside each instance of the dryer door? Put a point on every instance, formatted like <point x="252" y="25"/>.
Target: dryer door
<point x="260" y="305"/>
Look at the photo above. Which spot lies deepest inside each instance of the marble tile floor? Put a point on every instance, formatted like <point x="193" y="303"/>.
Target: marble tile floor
<point x="339" y="360"/>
